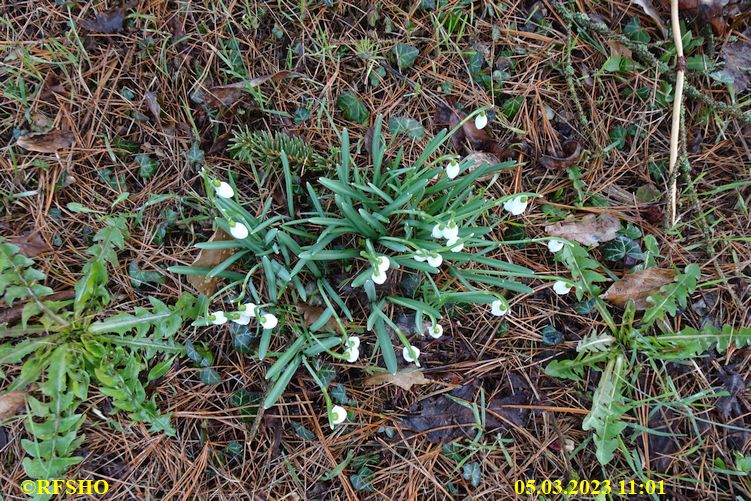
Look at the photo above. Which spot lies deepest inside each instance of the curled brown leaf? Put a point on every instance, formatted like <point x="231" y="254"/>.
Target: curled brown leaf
<point x="571" y="150"/>
<point x="589" y="231"/>
<point x="638" y="286"/>
<point x="208" y="258"/>
<point x="12" y="403"/>
<point x="404" y="379"/>
<point x="47" y="142"/>
<point x="227" y="95"/>
<point x="30" y="244"/>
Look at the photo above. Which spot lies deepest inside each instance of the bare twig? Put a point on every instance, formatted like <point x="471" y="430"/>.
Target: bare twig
<point x="677" y="102"/>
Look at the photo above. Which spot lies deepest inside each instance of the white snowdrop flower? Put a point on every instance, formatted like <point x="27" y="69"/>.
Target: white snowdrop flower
<point x="481" y="120"/>
<point x="438" y="230"/>
<point x="452" y="169"/>
<point x="555" y="245"/>
<point x="218" y="318"/>
<point x="516" y="205"/>
<point x="240" y="318"/>
<point x="411" y="354"/>
<point x="237" y="230"/>
<point x="435" y="260"/>
<point x="561" y="288"/>
<point x="338" y="414"/>
<point x="222" y="189"/>
<point x="453" y="245"/>
<point x="378" y="276"/>
<point x="352" y="342"/>
<point x="435" y="331"/>
<point x="421" y="255"/>
<point x="383" y="263"/>
<point x="268" y="321"/>
<point x="451" y="231"/>
<point x="352" y="354"/>
<point x="247" y="310"/>
<point x="499" y="308"/>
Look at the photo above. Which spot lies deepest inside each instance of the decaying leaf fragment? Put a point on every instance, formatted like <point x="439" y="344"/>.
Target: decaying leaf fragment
<point x="208" y="258"/>
<point x="30" y="244"/>
<point x="226" y="95"/>
<point x="571" y="151"/>
<point x="47" y="142"/>
<point x="404" y="379"/>
<point x="12" y="403"/>
<point x="109" y="21"/>
<point x="311" y="314"/>
<point x="446" y="417"/>
<point x="589" y="231"/>
<point x="638" y="286"/>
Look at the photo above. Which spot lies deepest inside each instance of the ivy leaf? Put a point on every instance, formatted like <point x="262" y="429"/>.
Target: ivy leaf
<point x="352" y="108"/>
<point x="621" y="248"/>
<point x="407" y="126"/>
<point x="472" y="473"/>
<point x="147" y="165"/>
<point x="405" y="55"/>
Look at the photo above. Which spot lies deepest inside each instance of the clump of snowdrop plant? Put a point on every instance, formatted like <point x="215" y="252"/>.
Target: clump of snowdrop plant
<point x="371" y="227"/>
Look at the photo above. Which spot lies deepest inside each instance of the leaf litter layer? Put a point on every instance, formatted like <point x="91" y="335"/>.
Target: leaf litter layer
<point x="115" y="106"/>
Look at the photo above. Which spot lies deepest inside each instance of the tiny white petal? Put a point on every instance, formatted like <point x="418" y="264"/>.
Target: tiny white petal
<point x="453" y="245"/>
<point x="224" y="190"/>
<point x="247" y="310"/>
<point x="383" y="263"/>
<point x="481" y="121"/>
<point x="241" y="319"/>
<point x="338" y="414"/>
<point x="438" y="231"/>
<point x="452" y="170"/>
<point x="435" y="260"/>
<point x="218" y="318"/>
<point x="238" y="230"/>
<point x="421" y="255"/>
<point x="352" y="354"/>
<point x="554" y="245"/>
<point x="451" y="231"/>
<point x="411" y="354"/>
<point x="352" y="342"/>
<point x="516" y="205"/>
<point x="268" y="321"/>
<point x="498" y="308"/>
<point x="435" y="331"/>
<point x="560" y="287"/>
<point x="378" y="276"/>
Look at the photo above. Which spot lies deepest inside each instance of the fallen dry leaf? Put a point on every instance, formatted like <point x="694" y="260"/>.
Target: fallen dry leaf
<point x="226" y="95"/>
<point x="12" y="403"/>
<point x="572" y="151"/>
<point x="444" y="419"/>
<point x="638" y="286"/>
<point x="30" y="244"/>
<point x="109" y="21"/>
<point x="208" y="258"/>
<point x="468" y="137"/>
<point x="47" y="142"/>
<point x="153" y="104"/>
<point x="311" y="314"/>
<point x="650" y="10"/>
<point x="405" y="379"/>
<point x="619" y="49"/>
<point x="737" y="57"/>
<point x="51" y="86"/>
<point x="588" y="231"/>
